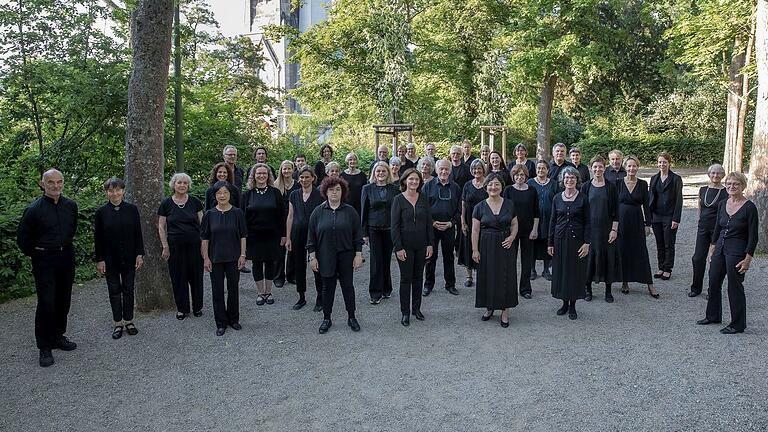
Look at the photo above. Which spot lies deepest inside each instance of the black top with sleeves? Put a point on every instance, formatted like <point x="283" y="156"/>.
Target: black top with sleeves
<point x="182" y="225"/>
<point x="319" y="172"/>
<point x="117" y="234"/>
<point x="224" y="231"/>
<point x="526" y="208"/>
<point x="613" y="199"/>
<point x="666" y="198"/>
<point x="709" y="203"/>
<point x="459" y="174"/>
<point x="736" y="234"/>
<point x="554" y="170"/>
<point x="355" y="183"/>
<point x="611" y="175"/>
<point x="570" y="218"/>
<point x="444" y="201"/>
<point x="331" y="232"/>
<point x="239" y="179"/>
<point x="376" y="202"/>
<point x="47" y="225"/>
<point x="584" y="173"/>
<point x="411" y="225"/>
<point x="264" y="212"/>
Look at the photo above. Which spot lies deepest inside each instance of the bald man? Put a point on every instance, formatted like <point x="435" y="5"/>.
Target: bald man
<point x="46" y="232"/>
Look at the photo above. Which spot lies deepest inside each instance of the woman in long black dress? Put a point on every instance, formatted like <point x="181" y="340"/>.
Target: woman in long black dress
<point x="473" y="193"/>
<point x="569" y="237"/>
<point x="221" y="172"/>
<point x="710" y="197"/>
<point x="263" y="206"/>
<point x="326" y="153"/>
<point x="634" y="226"/>
<point x="666" y="204"/>
<point x="604" y="263"/>
<point x="355" y="179"/>
<point x="527" y="211"/>
<point x="494" y="228"/>
<point x="301" y="204"/>
<point x="286" y="184"/>
<point x="546" y="189"/>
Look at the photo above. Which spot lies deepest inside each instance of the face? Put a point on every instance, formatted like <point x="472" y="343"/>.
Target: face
<point x="352" y="162"/>
<point x="615" y="160"/>
<point x="521" y="153"/>
<point x="401" y="152"/>
<point x="381" y="174"/>
<point x="495" y="161"/>
<point x="230" y="156"/>
<point x="382" y="153"/>
<point x="478" y="171"/>
<point x="395" y="168"/>
<point x="467" y="149"/>
<point x="598" y="169"/>
<point x="493" y="188"/>
<point x="412" y="182"/>
<point x="306" y="179"/>
<point x="261" y="175"/>
<point x="426" y="169"/>
<point x="456" y="156"/>
<point x="559" y="154"/>
<point x="520" y="177"/>
<point x="115" y="194"/>
<point x="575" y="158"/>
<point x="631" y="168"/>
<point x="662" y="163"/>
<point x="286" y="170"/>
<point x="484" y="153"/>
<point x="181" y="186"/>
<point x="542" y="170"/>
<point x="222" y="195"/>
<point x="430" y="150"/>
<point x="443" y="171"/>
<point x="300" y="162"/>
<point x="327" y="153"/>
<point x="333" y="172"/>
<point x="569" y="180"/>
<point x="222" y="174"/>
<point x="734" y="187"/>
<point x="410" y="151"/>
<point x="53" y="184"/>
<point x="334" y="193"/>
<point x="261" y="155"/>
<point x="715" y="176"/>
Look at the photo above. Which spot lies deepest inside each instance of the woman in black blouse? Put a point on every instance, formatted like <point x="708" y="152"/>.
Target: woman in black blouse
<point x="286" y="184"/>
<point x="179" y="228"/>
<point x="326" y="153"/>
<point x="733" y="246"/>
<point x="521" y="155"/>
<point x="472" y="194"/>
<point x="526" y="202"/>
<point x="569" y="237"/>
<point x="301" y="204"/>
<point x="335" y="245"/>
<point x="497" y="166"/>
<point x="355" y="179"/>
<point x="263" y="205"/>
<point x="119" y="253"/>
<point x="221" y="172"/>
<point x="223" y="233"/>
<point x="412" y="237"/>
<point x="710" y="197"/>
<point x="376" y="202"/>
<point x="666" y="204"/>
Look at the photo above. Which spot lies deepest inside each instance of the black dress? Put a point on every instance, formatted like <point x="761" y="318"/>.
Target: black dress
<point x="266" y="224"/>
<point x="569" y="229"/>
<point x="497" y="273"/>
<point x="470" y="196"/>
<point x="526" y="209"/>
<point x="604" y="263"/>
<point x="355" y="183"/>
<point x="634" y="216"/>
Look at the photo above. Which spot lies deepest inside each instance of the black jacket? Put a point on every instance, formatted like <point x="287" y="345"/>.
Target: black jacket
<point x="670" y="201"/>
<point x="375" y="205"/>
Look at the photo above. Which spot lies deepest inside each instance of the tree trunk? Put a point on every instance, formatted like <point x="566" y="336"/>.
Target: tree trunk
<point x="734" y="142"/>
<point x="544" y="123"/>
<point x="151" y="26"/>
<point x="758" y="165"/>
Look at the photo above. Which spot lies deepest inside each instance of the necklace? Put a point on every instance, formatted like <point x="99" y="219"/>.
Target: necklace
<point x="714" y="200"/>
<point x="565" y="194"/>
<point x="261" y="191"/>
<point x="181" y="206"/>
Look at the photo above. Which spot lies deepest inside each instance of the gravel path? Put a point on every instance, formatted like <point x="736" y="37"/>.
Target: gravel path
<point x="636" y="364"/>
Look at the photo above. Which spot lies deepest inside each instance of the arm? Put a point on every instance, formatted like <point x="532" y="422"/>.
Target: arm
<point x="456" y="219"/>
<point x="752" y="227"/>
<point x="98" y="242"/>
<point x="205" y="237"/>
<point x="24" y="233"/>
<point x="396" y="222"/>
<point x="289" y="227"/>
<point x="357" y="238"/>
<point x="475" y="240"/>
<point x="507" y="243"/>
<point x="364" y="212"/>
<point x="584" y="249"/>
<point x="139" y="236"/>
<point x="162" y="231"/>
<point x="204" y="252"/>
<point x="677" y="214"/>
<point x="464" y="224"/>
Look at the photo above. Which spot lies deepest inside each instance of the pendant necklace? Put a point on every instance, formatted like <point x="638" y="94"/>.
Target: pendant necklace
<point x="261" y="191"/>
<point x="714" y="200"/>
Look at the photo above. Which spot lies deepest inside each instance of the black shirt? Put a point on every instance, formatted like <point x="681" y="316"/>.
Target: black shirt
<point x="408" y="164"/>
<point x="117" y="234"/>
<point x="47" y="225"/>
<point x="319" y="172"/>
<point x="709" y="202"/>
<point x="611" y="175"/>
<point x="355" y="183"/>
<point x="570" y="219"/>
<point x="411" y="225"/>
<point x="376" y="202"/>
<point x="584" y="173"/>
<point x="529" y="165"/>
<point x="302" y="210"/>
<point x="264" y="212"/>
<point x="444" y="201"/>
<point x="239" y="179"/>
<point x="224" y="232"/>
<point x="737" y="234"/>
<point x="666" y="197"/>
<point x="554" y="169"/>
<point x="210" y="197"/>
<point x="459" y="174"/>
<point x="181" y="222"/>
<point x="331" y="232"/>
<point x="526" y="208"/>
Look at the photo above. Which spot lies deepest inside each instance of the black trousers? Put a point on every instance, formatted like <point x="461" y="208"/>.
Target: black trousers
<point x="299" y="256"/>
<point x="699" y="259"/>
<point x="344" y="275"/>
<point x="380" y="242"/>
<point x="720" y="267"/>
<point x="54" y="273"/>
<point x="446" y="241"/>
<point x="228" y="312"/>
<point x="263" y="270"/>
<point x="186" y="267"/>
<point x="284" y="266"/>
<point x="525" y="246"/>
<point x="665" y="241"/>
<point x="411" y="280"/>
<point x="120" y="284"/>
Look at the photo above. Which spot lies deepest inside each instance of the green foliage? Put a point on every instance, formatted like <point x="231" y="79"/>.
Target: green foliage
<point x="685" y="151"/>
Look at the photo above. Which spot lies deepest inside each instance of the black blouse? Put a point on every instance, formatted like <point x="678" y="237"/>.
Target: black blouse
<point x="117" y="234"/>
<point x="331" y="232"/>
<point x="570" y="218"/>
<point x="584" y="173"/>
<point x="709" y="203"/>
<point x="376" y="202"/>
<point x="612" y="176"/>
<point x="302" y="210"/>
<point x="554" y="170"/>
<point x="264" y="212"/>
<point x="613" y="198"/>
<point x="411" y="225"/>
<point x="736" y="234"/>
<point x="526" y="208"/>
<point x="182" y="225"/>
<point x="444" y="201"/>
<point x="355" y="183"/>
<point x="459" y="174"/>
<point x="224" y="231"/>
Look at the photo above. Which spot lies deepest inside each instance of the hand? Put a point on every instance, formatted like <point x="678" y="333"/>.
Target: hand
<point x="139" y="261"/>
<point x="101" y="267"/>
<point x="401" y="255"/>
<point x="584" y="250"/>
<point x="429" y="252"/>
<point x="282" y="241"/>
<point x="166" y="253"/>
<point x="288" y="245"/>
<point x="647" y="231"/>
<point x="507" y="243"/>
<point x="476" y="256"/>
<point x="534" y="234"/>
<point x="357" y="262"/>
<point x="464" y="228"/>
<point x="365" y="240"/>
<point x="709" y="258"/>
<point x="675" y="225"/>
<point x="240" y="262"/>
<point x="207" y="265"/>
<point x="313" y="264"/>
<point x="551" y="251"/>
<point x="612" y="236"/>
<point x="743" y="265"/>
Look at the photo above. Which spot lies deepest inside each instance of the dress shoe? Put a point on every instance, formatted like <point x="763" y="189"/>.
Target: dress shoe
<point x="527" y="296"/>
<point x="693" y="294"/>
<point x="198" y="314"/>
<point x="386" y="295"/>
<point x="468" y="283"/>
<point x="317" y="308"/>
<point x="563" y="309"/>
<point x="657" y="275"/>
<point x="269" y="299"/>
<point x="299" y="304"/>
<point x="180" y="315"/>
<point x="375" y="301"/>
<point x="486" y="316"/>
<point x="452" y="290"/>
<point x="245" y="270"/>
<point x="534" y="275"/>
<point x="279" y="283"/>
<point x="65" y="344"/>
<point x="426" y="291"/>
<point x="662" y="277"/>
<point x="707" y="321"/>
<point x="236" y="326"/>
<point x="324" y="326"/>
<point x="572" y="312"/>
<point x="418" y="315"/>
<point x="588" y="296"/>
<point x="291" y="281"/>
<point x="652" y="294"/>
<point x="260" y="300"/>
<point x="117" y="333"/>
<point x="46" y="358"/>
<point x="608" y="297"/>
<point x="730" y="330"/>
<point x="353" y="324"/>
<point x="131" y="329"/>
<point x="220" y="331"/>
<point x="405" y="320"/>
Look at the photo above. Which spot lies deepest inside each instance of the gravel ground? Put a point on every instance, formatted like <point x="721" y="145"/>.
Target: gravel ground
<point x="636" y="364"/>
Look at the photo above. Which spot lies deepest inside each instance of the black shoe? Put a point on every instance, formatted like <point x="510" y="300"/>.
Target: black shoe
<point x="198" y="314"/>
<point x="426" y="291"/>
<point x="317" y="308"/>
<point x="278" y="283"/>
<point x="608" y="297"/>
<point x="180" y="315"/>
<point x="291" y="281"/>
<point x="299" y="304"/>
<point x="527" y="295"/>
<point x="730" y="330"/>
<point x="486" y="316"/>
<point x="503" y="323"/>
<point x="386" y="295"/>
<point x="324" y="326"/>
<point x="353" y="324"/>
<point x="260" y="300"/>
<point x="418" y="315"/>
<point x="131" y="329"/>
<point x="534" y="275"/>
<point x="269" y="299"/>
<point x="563" y="310"/>
<point x="652" y="294"/>
<point x="236" y="326"/>
<point x="46" y="358"/>
<point x="662" y="277"/>
<point x="452" y="290"/>
<point x="117" y="333"/>
<point x="220" y="331"/>
<point x="707" y="321"/>
<point x="572" y="312"/>
<point x="588" y="297"/>
<point x="657" y="275"/>
<point x="547" y="275"/>
<point x="65" y="344"/>
<point x="375" y="301"/>
<point x="468" y="283"/>
<point x="693" y="294"/>
<point x="245" y="270"/>
<point x="405" y="320"/>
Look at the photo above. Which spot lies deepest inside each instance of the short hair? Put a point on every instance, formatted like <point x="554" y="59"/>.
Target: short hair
<point x="221" y="184"/>
<point x="494" y="176"/>
<point x="330" y="182"/>
<point x="466" y="141"/>
<point x="423" y="160"/>
<point x="256" y="150"/>
<point x="741" y="178"/>
<point x="631" y="158"/>
<point x="521" y="146"/>
<point x="212" y="177"/>
<point x="382" y="147"/>
<point x="252" y="174"/>
<point x="50" y="172"/>
<point x="558" y="145"/>
<point x="372" y="177"/>
<point x="455" y="148"/>
<point x="542" y="161"/>
<point x="716" y="167"/>
<point x="308" y="169"/>
<point x="404" y="178"/>
<point x="330" y="165"/>
<point x="485" y="147"/>
<point x="445" y="162"/>
<point x="596" y="158"/>
<point x="349" y="156"/>
<point x="475" y="163"/>
<point x="666" y="156"/>
<point x="395" y="160"/>
<point x="517" y="169"/>
<point x="326" y="146"/>
<point x="574" y="150"/>
<point x="410" y="146"/>
<point x="180" y="176"/>
<point x="616" y="152"/>
<point x="114" y="183"/>
<point x="401" y="147"/>
<point x="569" y="170"/>
<point x="300" y="155"/>
<point x="228" y="147"/>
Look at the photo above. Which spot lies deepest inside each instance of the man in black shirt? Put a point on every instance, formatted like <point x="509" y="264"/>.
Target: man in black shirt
<point x="558" y="161"/>
<point x="260" y="156"/>
<point x="467" y="157"/>
<point x="230" y="158"/>
<point x="615" y="171"/>
<point x="382" y="155"/>
<point x="583" y="170"/>
<point x="45" y="234"/>
<point x="459" y="171"/>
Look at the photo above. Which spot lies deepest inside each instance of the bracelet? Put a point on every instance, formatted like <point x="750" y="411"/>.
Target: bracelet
<point x="242" y="255"/>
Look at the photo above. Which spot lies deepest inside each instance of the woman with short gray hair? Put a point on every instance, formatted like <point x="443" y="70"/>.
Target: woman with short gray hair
<point x="710" y="197"/>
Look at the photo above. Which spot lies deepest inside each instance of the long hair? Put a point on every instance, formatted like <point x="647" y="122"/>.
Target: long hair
<point x="252" y="182"/>
<point x="280" y="182"/>
<point x="230" y="175"/>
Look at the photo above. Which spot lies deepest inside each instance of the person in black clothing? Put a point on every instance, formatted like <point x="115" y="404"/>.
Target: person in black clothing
<point x="301" y="204"/>
<point x="394" y="167"/>
<point x="473" y="193"/>
<point x="263" y="205"/>
<point x="526" y="202"/>
<point x="497" y="166"/>
<point x="615" y="171"/>
<point x="558" y="161"/>
<point x="46" y="231"/>
<point x="376" y="201"/>
<point x="569" y="237"/>
<point x="485" y="153"/>
<point x="410" y="160"/>
<point x="223" y="233"/>
<point x="326" y="154"/>
<point x="733" y="246"/>
<point x="467" y="157"/>
<point x="459" y="172"/>
<point x="583" y="170"/>
<point x="335" y="245"/>
<point x="355" y="179"/>
<point x="238" y="179"/>
<point x="286" y="184"/>
<point x="412" y="237"/>
<point x="260" y="157"/>
<point x="445" y="204"/>
<point x="119" y="247"/>
<point x="382" y="155"/>
<point x="299" y="161"/>
<point x="521" y="158"/>
<point x="666" y="204"/>
<point x="221" y="172"/>
<point x="179" y="228"/>
<point x="710" y="197"/>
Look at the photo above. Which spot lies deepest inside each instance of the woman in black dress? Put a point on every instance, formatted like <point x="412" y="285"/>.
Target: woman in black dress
<point x="301" y="204"/>
<point x="223" y="233"/>
<point x="286" y="184"/>
<point x="496" y="165"/>
<point x="710" y="197"/>
<point x="412" y="238"/>
<point x="473" y="193"/>
<point x="263" y="205"/>
<point x="326" y="154"/>
<point x="666" y="204"/>
<point x="731" y="252"/>
<point x="527" y="211"/>
<point x="494" y="228"/>
<point x="221" y="172"/>
<point x="179" y="228"/>
<point x="569" y="237"/>
<point x="335" y="245"/>
<point x="604" y="263"/>
<point x="426" y="167"/>
<point x="356" y="179"/>
<point x="546" y="189"/>
<point x="376" y="202"/>
<point x="119" y="247"/>
<point x="634" y="226"/>
<point x="521" y="155"/>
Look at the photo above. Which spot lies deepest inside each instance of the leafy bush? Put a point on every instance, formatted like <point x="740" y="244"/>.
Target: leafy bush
<point x="684" y="151"/>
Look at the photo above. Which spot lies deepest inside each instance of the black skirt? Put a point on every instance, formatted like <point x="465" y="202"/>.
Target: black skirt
<point x="569" y="272"/>
<point x="497" y="273"/>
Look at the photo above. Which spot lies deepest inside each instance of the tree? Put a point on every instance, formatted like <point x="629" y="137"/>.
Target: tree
<point x="758" y="165"/>
<point x="151" y="25"/>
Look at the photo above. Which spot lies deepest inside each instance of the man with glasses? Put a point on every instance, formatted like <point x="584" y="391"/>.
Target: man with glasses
<point x="430" y="151"/>
<point x="230" y="158"/>
<point x="459" y="171"/>
<point x="410" y="160"/>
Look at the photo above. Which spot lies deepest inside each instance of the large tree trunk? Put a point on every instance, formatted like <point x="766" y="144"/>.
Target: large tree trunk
<point x="758" y="164"/>
<point x="737" y="104"/>
<point x="151" y="25"/>
<point x="544" y="123"/>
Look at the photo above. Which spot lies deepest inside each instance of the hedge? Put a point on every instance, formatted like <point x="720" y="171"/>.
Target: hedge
<point x="684" y="151"/>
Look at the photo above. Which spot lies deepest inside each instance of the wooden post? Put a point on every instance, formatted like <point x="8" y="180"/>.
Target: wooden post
<point x="493" y="140"/>
<point x="504" y="144"/>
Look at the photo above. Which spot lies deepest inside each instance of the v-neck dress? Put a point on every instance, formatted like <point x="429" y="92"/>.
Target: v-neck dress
<point x="497" y="271"/>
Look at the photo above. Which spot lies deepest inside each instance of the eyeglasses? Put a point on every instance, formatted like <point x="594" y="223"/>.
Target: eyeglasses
<point x="733" y="184"/>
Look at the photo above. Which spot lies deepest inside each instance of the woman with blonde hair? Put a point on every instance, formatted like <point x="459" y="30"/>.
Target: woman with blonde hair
<point x="355" y="179"/>
<point x="286" y="184"/>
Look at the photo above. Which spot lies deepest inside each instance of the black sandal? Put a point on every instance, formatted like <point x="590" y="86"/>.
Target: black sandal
<point x="268" y="298"/>
<point x="131" y="329"/>
<point x="117" y="333"/>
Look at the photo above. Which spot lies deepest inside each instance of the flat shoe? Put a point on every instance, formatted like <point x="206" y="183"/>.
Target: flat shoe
<point x="527" y="296"/>
<point x="131" y="329"/>
<point x="662" y="277"/>
<point x="324" y="326"/>
<point x="317" y="308"/>
<point x="468" y="283"/>
<point x="693" y="294"/>
<point x="418" y="315"/>
<point x="405" y="321"/>
<point x="657" y="275"/>
<point x="180" y="315"/>
<point x="625" y="290"/>
<point x="198" y="313"/>
<point x="353" y="324"/>
<point x="268" y="298"/>
<point x="486" y="316"/>
<point x="279" y="283"/>
<point x="117" y="333"/>
<point x="260" y="300"/>
<point x="236" y="326"/>
<point x="46" y="358"/>
<point x="452" y="290"/>
<point x="299" y="304"/>
<point x="707" y="321"/>
<point x="563" y="310"/>
<point x="608" y="298"/>
<point x="220" y="331"/>
<point x="730" y="330"/>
